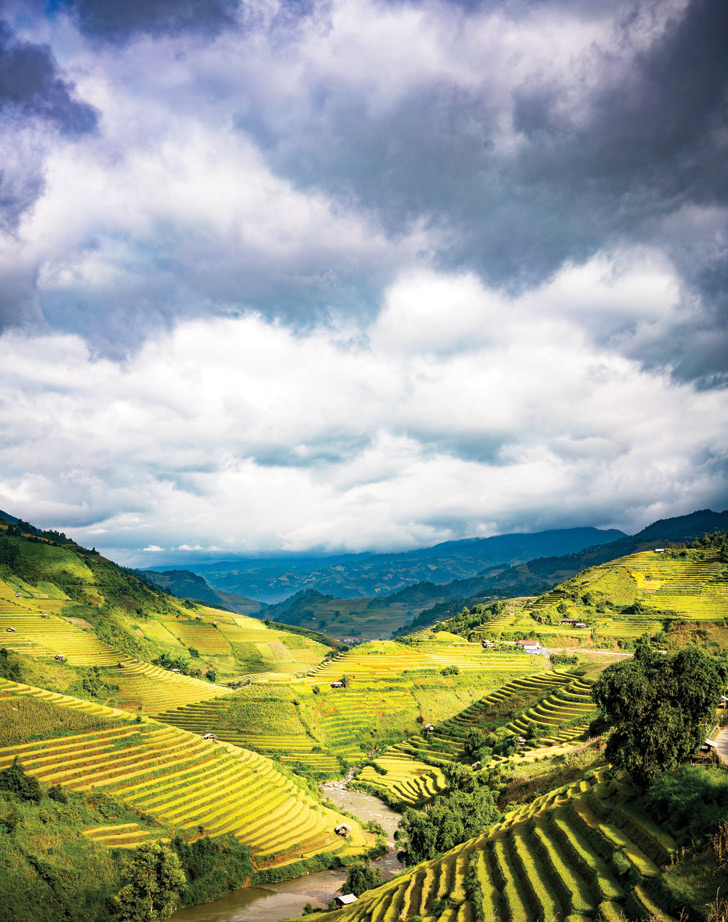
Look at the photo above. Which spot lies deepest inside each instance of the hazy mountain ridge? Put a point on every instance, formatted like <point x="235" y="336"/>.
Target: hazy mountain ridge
<point x="367" y="575"/>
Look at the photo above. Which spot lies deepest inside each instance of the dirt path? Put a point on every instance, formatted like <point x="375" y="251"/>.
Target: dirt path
<point x="722" y="746"/>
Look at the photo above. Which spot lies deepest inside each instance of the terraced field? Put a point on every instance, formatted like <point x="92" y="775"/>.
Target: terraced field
<point x="563" y="715"/>
<point x="42" y="634"/>
<point x="295" y="749"/>
<point x="153" y="689"/>
<point x="686" y="588"/>
<point x="390" y="661"/>
<point x="186" y="783"/>
<point x="553" y="859"/>
<point x="410" y="772"/>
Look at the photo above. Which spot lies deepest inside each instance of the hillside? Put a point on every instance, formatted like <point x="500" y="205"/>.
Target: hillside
<point x="368" y="575"/>
<point x="584" y="851"/>
<point x="673" y="594"/>
<point x="537" y="576"/>
<point x="316" y="728"/>
<point x="184" y="783"/>
<point x="60" y="598"/>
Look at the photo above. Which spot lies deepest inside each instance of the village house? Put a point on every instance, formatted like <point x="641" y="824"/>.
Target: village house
<point x="346" y="900"/>
<point x="528" y="644"/>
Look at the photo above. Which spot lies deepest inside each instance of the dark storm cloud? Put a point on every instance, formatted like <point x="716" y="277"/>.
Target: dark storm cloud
<point x="114" y="21"/>
<point x="601" y="155"/>
<point x="31" y="85"/>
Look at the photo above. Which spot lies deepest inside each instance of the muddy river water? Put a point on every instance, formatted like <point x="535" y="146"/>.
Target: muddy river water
<point x="273" y="902"/>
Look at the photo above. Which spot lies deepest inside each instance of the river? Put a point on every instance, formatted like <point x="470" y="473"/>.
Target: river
<point x="286" y="900"/>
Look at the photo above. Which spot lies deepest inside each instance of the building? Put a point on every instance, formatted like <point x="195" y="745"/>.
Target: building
<point x="488" y="644"/>
<point x="337" y="684"/>
<point x="346" y="900"/>
<point x="529" y="644"/>
<point x="343" y="829"/>
<point x="428" y="728"/>
<point x="571" y="622"/>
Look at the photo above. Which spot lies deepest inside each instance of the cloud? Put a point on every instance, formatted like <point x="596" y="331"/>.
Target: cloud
<point x="241" y="433"/>
<point x="111" y="21"/>
<point x="31" y="85"/>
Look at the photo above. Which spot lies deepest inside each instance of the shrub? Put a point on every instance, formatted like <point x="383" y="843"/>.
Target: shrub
<point x="15" y="780"/>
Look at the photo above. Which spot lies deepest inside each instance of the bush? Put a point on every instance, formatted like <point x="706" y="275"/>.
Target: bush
<point x="15" y="780"/>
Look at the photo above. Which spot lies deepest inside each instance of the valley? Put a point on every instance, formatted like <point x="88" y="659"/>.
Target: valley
<point x="138" y="719"/>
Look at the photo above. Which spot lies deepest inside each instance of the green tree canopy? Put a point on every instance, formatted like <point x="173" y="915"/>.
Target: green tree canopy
<point x="463" y="813"/>
<point x="153" y="881"/>
<point x="659" y="707"/>
<point x="362" y="877"/>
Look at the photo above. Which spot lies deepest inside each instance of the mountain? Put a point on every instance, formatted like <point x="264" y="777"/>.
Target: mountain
<point x="188" y="585"/>
<point x="537" y="576"/>
<point x="367" y="575"/>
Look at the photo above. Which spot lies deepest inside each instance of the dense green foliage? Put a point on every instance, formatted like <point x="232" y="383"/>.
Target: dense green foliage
<point x="659" y="706"/>
<point x="692" y="801"/>
<point x="465" y="811"/>
<point x="15" y="781"/>
<point x="9" y="666"/>
<point x="361" y="877"/>
<point x="153" y="881"/>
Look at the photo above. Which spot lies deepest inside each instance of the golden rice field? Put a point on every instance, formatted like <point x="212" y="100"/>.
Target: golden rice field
<point x="292" y="745"/>
<point x="552" y="859"/>
<point x="391" y="661"/>
<point x="410" y="772"/>
<point x="187" y="783"/>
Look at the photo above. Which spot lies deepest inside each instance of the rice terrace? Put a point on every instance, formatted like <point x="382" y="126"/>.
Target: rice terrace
<point x="549" y="757"/>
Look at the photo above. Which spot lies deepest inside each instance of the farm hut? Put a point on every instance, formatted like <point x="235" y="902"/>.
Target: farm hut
<point x="337" y="684"/>
<point x="178" y="671"/>
<point x="198" y="617"/>
<point x="659" y="550"/>
<point x="10" y="630"/>
<point x="60" y="657"/>
<point x="570" y="622"/>
<point x="209" y="736"/>
<point x="428" y="728"/>
<point x="343" y="829"/>
<point x="214" y="623"/>
<point x="580" y="624"/>
<point x="488" y="644"/>
<point x="521" y="740"/>
<point x="44" y="614"/>
<point x="120" y="665"/>
<point x="346" y="900"/>
<point x="18" y="595"/>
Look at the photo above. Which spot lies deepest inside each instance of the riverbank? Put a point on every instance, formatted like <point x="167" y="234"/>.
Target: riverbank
<point x="285" y="900"/>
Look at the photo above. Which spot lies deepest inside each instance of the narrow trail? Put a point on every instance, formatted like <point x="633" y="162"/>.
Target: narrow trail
<point x="722" y="746"/>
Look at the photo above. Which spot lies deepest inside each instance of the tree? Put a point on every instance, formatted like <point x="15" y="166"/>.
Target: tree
<point x="660" y="707"/>
<point x="14" y="779"/>
<point x="362" y="877"/>
<point x="154" y="879"/>
<point x="450" y="820"/>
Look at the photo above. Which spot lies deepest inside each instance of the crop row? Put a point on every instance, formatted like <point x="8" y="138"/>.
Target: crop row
<point x="551" y="860"/>
<point x="189" y="783"/>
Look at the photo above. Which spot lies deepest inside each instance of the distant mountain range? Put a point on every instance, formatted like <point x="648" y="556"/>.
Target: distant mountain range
<point x="354" y="576"/>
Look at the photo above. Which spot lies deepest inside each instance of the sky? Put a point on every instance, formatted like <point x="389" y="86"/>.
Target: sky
<point x="340" y="275"/>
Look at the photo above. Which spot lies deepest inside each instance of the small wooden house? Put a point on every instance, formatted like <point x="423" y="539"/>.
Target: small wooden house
<point x="337" y="684"/>
<point x="343" y="829"/>
<point x="428" y="728"/>
<point x="209" y="736"/>
<point x="346" y="900"/>
<point x="59" y="657"/>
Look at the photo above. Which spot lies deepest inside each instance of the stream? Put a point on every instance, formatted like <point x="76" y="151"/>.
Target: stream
<point x="273" y="902"/>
